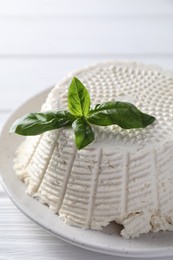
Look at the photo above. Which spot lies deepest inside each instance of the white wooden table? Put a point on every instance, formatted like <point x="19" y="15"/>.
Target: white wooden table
<point x="40" y="42"/>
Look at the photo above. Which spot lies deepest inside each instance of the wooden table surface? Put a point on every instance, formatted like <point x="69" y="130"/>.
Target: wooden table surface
<point x="41" y="41"/>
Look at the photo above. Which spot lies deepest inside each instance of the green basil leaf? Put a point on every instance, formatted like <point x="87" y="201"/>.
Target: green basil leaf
<point x="123" y="114"/>
<point x="38" y="123"/>
<point x="78" y="98"/>
<point x="83" y="133"/>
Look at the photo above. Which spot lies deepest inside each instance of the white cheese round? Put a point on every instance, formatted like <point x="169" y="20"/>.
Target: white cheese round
<point x="124" y="175"/>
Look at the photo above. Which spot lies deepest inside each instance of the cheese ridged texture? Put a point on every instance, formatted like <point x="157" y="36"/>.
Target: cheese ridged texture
<point x="124" y="175"/>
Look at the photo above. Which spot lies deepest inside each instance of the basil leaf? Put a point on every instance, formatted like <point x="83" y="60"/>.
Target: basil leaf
<point x="38" y="123"/>
<point x="123" y="114"/>
<point x="78" y="98"/>
<point x="83" y="133"/>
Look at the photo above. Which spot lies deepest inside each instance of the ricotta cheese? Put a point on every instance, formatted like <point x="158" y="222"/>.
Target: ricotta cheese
<point x="124" y="175"/>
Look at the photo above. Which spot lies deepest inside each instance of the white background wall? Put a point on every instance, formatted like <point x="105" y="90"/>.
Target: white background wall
<point x="43" y="40"/>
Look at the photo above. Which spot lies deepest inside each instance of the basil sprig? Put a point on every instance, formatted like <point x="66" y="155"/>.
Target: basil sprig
<point x="80" y="116"/>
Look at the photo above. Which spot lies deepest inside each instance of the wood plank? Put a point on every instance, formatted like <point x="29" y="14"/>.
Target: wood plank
<point x="88" y="37"/>
<point x="90" y="7"/>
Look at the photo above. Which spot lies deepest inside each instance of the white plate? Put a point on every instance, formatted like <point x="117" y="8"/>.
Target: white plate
<point x="107" y="241"/>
